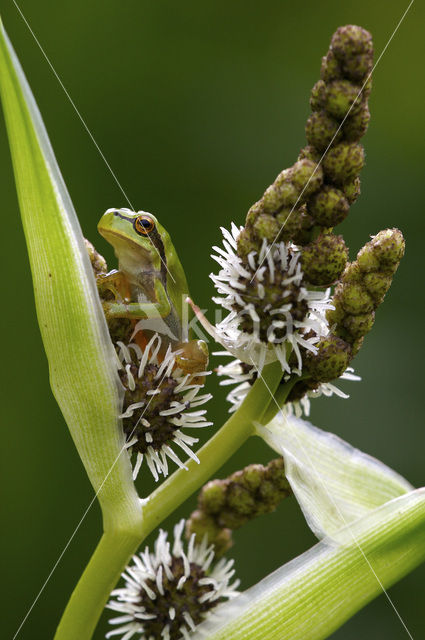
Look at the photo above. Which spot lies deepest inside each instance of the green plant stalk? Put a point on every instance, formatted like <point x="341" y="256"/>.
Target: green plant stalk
<point x="116" y="547"/>
<point x="215" y="452"/>
<point x="279" y="399"/>
<point x="102" y="573"/>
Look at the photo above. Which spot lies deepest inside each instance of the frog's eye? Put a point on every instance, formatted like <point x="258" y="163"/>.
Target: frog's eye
<point x="143" y="225"/>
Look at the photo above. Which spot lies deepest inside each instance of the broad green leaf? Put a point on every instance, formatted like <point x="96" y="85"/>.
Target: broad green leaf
<point x="333" y="482"/>
<point x="81" y="358"/>
<point x="313" y="595"/>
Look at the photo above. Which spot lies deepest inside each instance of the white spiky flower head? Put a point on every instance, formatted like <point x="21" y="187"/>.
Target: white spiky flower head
<point x="160" y="401"/>
<point x="272" y="315"/>
<point x="241" y="377"/>
<point x="169" y="591"/>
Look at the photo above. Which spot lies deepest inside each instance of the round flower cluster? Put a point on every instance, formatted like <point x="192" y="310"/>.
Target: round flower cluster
<point x="167" y="593"/>
<point x="158" y="403"/>
<point x="272" y="313"/>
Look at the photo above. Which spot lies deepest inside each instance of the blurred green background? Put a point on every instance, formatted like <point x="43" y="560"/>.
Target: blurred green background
<point x="197" y="106"/>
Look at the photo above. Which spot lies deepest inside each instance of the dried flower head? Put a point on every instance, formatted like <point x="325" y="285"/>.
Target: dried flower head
<point x="158" y="403"/>
<point x="167" y="593"/>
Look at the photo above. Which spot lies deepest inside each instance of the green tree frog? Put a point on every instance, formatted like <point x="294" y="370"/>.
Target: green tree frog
<point x="149" y="289"/>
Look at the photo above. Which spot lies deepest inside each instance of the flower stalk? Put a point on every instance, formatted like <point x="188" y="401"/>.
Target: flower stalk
<point x="238" y="428"/>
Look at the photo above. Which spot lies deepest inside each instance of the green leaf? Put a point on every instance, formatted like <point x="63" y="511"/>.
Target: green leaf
<point x="81" y="358"/>
<point x="334" y="482"/>
<point x="314" y="594"/>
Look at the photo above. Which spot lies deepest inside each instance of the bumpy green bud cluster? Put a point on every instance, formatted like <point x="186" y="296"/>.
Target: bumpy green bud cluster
<point x="315" y="194"/>
<point x="363" y="286"/>
<point x="224" y="505"/>
<point x="360" y="291"/>
<point x="331" y="360"/>
<point x="273" y="216"/>
<point x="324" y="259"/>
<point x="340" y="118"/>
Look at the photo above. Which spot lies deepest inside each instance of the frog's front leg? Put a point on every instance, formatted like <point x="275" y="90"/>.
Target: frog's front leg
<point x="140" y="310"/>
<point x="116" y="282"/>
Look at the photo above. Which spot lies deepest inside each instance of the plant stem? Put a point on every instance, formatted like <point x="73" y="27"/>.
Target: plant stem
<point x="95" y="585"/>
<point x="117" y="545"/>
<point x="178" y="487"/>
<point x="279" y="399"/>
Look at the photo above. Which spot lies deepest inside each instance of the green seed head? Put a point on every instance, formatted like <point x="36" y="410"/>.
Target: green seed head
<point x="356" y="125"/>
<point x="335" y="316"/>
<point x="252" y="476"/>
<point x="383" y="252"/>
<point x="367" y="259"/>
<point x="266" y="226"/>
<point x="318" y="96"/>
<point x="354" y="298"/>
<point x="275" y="472"/>
<point x="331" y="360"/>
<point x="351" y="190"/>
<point x="295" y="225"/>
<point x="352" y="273"/>
<point x="330" y="69"/>
<point x="358" y="326"/>
<point x="248" y="242"/>
<point x="248" y="493"/>
<point x="266" y="491"/>
<point x="328" y="206"/>
<point x="343" y="162"/>
<point x="363" y="286"/>
<point x="388" y="246"/>
<point x="213" y="497"/>
<point x="341" y="96"/>
<point x="309" y="152"/>
<point x="377" y="284"/>
<point x="253" y="213"/>
<point x="240" y="499"/>
<point x="282" y="193"/>
<point x="324" y="259"/>
<point x="320" y="130"/>
<point x="353" y="48"/>
<point x="307" y="177"/>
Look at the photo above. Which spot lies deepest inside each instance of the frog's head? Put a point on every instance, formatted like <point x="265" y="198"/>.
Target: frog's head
<point x="135" y="236"/>
<point x="142" y="244"/>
